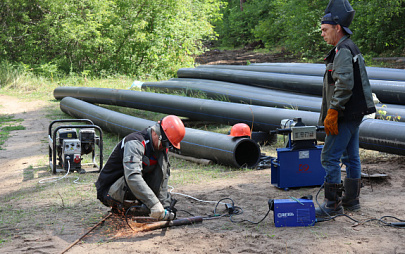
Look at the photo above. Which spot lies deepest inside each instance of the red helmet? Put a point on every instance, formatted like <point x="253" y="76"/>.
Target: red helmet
<point x="174" y="129"/>
<point x="240" y="130"/>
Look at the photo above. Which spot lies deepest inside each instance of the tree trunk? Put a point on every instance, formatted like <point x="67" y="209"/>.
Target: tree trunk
<point x="241" y="4"/>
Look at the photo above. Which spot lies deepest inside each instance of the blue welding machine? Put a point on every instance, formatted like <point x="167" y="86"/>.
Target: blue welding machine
<point x="293" y="212"/>
<point x="299" y="163"/>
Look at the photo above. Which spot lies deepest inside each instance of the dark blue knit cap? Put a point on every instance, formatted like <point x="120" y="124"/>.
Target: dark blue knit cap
<point x="327" y="19"/>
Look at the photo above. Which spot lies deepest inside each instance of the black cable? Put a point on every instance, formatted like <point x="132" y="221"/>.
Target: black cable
<point x="401" y="223"/>
<point x="126" y="217"/>
<point x="192" y="215"/>
<point x="323" y="210"/>
<point x="244" y="220"/>
<point x="215" y="209"/>
<point x="333" y="217"/>
<point x="236" y="211"/>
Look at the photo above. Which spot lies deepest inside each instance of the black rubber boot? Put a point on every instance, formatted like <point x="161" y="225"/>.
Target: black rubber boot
<point x="350" y="199"/>
<point x="332" y="204"/>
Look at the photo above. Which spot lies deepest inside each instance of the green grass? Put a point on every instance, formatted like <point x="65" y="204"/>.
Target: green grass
<point x="8" y="124"/>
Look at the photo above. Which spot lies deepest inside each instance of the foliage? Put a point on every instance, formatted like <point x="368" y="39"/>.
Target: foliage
<point x="154" y="38"/>
<point x="295" y="25"/>
<point x="378" y="25"/>
<point x="144" y="37"/>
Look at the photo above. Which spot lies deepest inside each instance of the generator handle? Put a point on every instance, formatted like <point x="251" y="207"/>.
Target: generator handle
<point x="66" y="121"/>
<point x="52" y="154"/>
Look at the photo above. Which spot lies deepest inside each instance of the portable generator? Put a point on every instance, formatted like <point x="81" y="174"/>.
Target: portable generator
<point x="68" y="144"/>
<point x="293" y="212"/>
<point x="299" y="163"/>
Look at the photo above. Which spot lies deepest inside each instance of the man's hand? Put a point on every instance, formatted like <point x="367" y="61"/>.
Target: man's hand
<point x="159" y="213"/>
<point x="331" y="122"/>
<point x="157" y="210"/>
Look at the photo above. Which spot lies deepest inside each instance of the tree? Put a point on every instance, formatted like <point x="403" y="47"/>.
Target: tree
<point x="142" y="37"/>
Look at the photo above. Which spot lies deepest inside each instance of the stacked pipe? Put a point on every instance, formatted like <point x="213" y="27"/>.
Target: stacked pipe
<point x="271" y="88"/>
<point x="387" y="91"/>
<point x="219" y="90"/>
<point x="374" y="73"/>
<point x="379" y="135"/>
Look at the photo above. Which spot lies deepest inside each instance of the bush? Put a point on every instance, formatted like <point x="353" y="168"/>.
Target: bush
<point x="140" y="38"/>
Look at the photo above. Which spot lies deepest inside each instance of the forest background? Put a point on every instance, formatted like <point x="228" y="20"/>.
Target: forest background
<point x="152" y="39"/>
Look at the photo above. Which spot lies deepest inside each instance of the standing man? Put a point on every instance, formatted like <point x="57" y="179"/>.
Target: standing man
<point x="138" y="170"/>
<point x="346" y="99"/>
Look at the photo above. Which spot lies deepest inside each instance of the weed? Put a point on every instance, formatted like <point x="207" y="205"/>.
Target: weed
<point x="319" y="235"/>
<point x="382" y="114"/>
<point x="6" y="129"/>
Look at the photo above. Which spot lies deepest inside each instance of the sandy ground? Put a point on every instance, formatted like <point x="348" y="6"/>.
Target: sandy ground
<point x="250" y="190"/>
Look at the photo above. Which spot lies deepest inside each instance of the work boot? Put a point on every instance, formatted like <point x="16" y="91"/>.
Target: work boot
<point x="332" y="204"/>
<point x="350" y="200"/>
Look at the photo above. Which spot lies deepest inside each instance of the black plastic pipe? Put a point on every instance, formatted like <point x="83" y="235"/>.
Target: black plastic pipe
<point x="258" y="117"/>
<point x="237" y="93"/>
<point x="383" y="136"/>
<point x="220" y="148"/>
<point x="311" y="69"/>
<point x="322" y="66"/>
<point x="387" y="91"/>
<point x="379" y="135"/>
<point x="287" y="82"/>
<point x="233" y="92"/>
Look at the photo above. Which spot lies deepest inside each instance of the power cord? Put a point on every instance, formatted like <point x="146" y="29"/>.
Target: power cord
<point x="58" y="178"/>
<point x="188" y="196"/>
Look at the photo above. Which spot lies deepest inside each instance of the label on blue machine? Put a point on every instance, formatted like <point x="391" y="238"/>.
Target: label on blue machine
<point x="303" y="154"/>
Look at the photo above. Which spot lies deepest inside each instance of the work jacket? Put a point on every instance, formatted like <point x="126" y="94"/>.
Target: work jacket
<point x="346" y="86"/>
<point x="134" y="165"/>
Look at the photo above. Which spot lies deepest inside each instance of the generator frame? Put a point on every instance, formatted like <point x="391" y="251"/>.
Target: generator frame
<point x="52" y="141"/>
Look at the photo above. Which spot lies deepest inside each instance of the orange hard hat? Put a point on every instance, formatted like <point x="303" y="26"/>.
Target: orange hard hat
<point x="240" y="130"/>
<point x="174" y="130"/>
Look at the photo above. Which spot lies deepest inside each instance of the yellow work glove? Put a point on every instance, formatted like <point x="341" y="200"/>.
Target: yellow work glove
<point x="331" y="122"/>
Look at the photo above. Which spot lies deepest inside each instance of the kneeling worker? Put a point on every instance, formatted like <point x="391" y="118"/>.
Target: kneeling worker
<point x="138" y="169"/>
